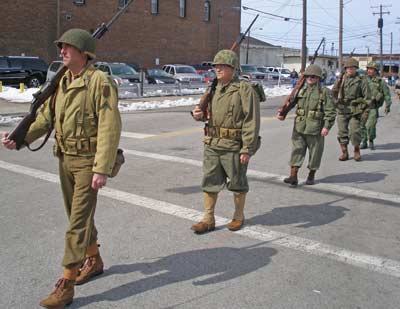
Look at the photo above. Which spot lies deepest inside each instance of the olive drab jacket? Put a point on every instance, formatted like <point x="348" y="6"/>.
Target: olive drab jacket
<point x="356" y="95"/>
<point x="379" y="91"/>
<point x="234" y="124"/>
<point x="315" y="110"/>
<point x="86" y="118"/>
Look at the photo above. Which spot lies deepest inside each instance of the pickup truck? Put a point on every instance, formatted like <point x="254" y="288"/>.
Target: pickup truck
<point x="20" y="69"/>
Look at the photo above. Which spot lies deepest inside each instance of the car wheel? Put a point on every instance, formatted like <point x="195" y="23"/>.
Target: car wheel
<point x="34" y="82"/>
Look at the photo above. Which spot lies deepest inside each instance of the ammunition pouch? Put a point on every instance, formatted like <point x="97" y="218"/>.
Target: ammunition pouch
<point x="315" y="115"/>
<point x="119" y="160"/>
<point x="75" y="146"/>
<point x="358" y="106"/>
<point x="232" y="134"/>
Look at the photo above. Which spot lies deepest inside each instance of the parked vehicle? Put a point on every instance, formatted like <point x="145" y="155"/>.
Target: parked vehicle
<point x="158" y="76"/>
<point x="20" y="69"/>
<point x="250" y="72"/>
<point x="283" y="72"/>
<point x="268" y="74"/>
<point x="121" y="73"/>
<point x="53" y="67"/>
<point x="207" y="71"/>
<point x="183" y="73"/>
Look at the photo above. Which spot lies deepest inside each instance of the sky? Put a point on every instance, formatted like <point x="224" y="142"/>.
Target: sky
<point x="360" y="26"/>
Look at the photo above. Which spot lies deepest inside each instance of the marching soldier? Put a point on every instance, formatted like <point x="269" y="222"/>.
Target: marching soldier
<point x="379" y="92"/>
<point x="231" y="138"/>
<point x="350" y="93"/>
<point x="315" y="115"/>
<point x="87" y="123"/>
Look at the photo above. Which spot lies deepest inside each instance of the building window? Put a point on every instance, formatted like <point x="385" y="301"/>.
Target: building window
<point x="79" y="2"/>
<point x="207" y="10"/>
<point x="182" y="8"/>
<point x="154" y="6"/>
<point x="122" y="3"/>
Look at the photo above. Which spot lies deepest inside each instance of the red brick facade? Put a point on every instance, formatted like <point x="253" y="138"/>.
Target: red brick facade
<point x="30" y="27"/>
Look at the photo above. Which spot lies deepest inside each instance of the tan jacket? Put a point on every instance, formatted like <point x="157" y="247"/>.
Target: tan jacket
<point x="100" y="131"/>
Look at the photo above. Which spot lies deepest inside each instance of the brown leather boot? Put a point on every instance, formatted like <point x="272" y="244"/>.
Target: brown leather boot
<point x="292" y="179"/>
<point x="357" y="154"/>
<point x="345" y="153"/>
<point x="238" y="216"/>
<point x="62" y="295"/>
<point x="311" y="178"/>
<point x="92" y="267"/>
<point x="207" y="224"/>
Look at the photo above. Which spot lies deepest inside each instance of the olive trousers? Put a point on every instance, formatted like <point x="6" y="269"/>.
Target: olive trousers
<point x="368" y="130"/>
<point x="349" y="128"/>
<point x="80" y="204"/>
<point x="300" y="144"/>
<point x="223" y="167"/>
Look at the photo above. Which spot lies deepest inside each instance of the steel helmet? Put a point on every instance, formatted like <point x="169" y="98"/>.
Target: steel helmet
<point x="79" y="38"/>
<point x="351" y="62"/>
<point x="227" y="57"/>
<point x="373" y="65"/>
<point x="313" y="69"/>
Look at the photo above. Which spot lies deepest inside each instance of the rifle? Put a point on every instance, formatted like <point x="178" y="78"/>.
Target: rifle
<point x="290" y="101"/>
<point x="205" y="100"/>
<point x="39" y="98"/>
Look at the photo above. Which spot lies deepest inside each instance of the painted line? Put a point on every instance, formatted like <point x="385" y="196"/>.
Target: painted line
<point x="333" y="188"/>
<point x="373" y="263"/>
<point x="135" y="135"/>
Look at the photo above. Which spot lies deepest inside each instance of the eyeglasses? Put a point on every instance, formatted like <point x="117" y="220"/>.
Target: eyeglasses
<point x="312" y="76"/>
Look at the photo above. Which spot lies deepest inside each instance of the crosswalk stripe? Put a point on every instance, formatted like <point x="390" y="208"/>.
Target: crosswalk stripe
<point x="373" y="263"/>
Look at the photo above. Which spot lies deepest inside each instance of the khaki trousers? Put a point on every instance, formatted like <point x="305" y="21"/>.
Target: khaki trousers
<point x="80" y="204"/>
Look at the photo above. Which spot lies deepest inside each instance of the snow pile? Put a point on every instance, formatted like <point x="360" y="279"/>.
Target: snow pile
<point x="14" y="95"/>
<point x="129" y="106"/>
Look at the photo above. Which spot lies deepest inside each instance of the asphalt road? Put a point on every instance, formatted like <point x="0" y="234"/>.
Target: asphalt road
<point x="332" y="245"/>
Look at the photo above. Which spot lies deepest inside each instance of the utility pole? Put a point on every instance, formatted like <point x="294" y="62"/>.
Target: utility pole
<point x="247" y="48"/>
<point x="340" y="35"/>
<point x="380" y="26"/>
<point x="332" y="49"/>
<point x="323" y="47"/>
<point x="303" y="39"/>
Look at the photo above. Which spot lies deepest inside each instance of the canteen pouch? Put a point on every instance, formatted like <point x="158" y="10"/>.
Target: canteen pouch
<point x="119" y="160"/>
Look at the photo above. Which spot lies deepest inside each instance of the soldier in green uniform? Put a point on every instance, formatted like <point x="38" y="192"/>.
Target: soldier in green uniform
<point x="379" y="92"/>
<point x="315" y="115"/>
<point x="231" y="138"/>
<point x="87" y="123"/>
<point x="350" y="94"/>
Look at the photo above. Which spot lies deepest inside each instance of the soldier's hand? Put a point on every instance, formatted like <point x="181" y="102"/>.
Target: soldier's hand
<point x="387" y="110"/>
<point x="9" y="144"/>
<point x="197" y="113"/>
<point x="280" y="117"/>
<point x="324" y="132"/>
<point x="98" y="181"/>
<point x="244" y="158"/>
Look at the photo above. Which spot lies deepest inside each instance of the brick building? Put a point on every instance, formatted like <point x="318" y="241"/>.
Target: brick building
<point x="150" y="32"/>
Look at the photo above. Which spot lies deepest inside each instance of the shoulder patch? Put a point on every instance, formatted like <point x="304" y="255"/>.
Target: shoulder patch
<point x="106" y="91"/>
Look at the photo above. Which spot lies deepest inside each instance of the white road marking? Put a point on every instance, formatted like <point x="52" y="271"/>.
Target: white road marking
<point x="336" y="189"/>
<point x="369" y="262"/>
<point x="135" y="135"/>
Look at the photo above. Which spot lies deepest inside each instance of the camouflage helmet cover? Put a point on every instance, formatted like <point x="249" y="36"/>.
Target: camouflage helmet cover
<point x="351" y="62"/>
<point x="373" y="65"/>
<point x="79" y="38"/>
<point x="227" y="57"/>
<point x="313" y="69"/>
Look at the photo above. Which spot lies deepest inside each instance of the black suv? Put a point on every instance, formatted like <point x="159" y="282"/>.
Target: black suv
<point x="20" y="69"/>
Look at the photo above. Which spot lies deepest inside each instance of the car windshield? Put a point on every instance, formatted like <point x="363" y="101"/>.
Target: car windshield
<point x="264" y="70"/>
<point x="285" y="71"/>
<point x="210" y="74"/>
<point x="185" y="70"/>
<point x="122" y="69"/>
<point x="158" y="72"/>
<point x="248" y="68"/>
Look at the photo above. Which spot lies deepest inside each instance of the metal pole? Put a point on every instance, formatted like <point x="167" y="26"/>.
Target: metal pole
<point x="304" y="38"/>
<point x="340" y="35"/>
<point x="247" y="48"/>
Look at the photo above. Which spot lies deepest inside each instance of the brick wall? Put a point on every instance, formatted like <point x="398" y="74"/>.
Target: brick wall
<point x="138" y="36"/>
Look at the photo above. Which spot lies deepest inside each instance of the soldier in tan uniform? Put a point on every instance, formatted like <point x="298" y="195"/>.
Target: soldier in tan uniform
<point x="231" y="139"/>
<point x="87" y="123"/>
